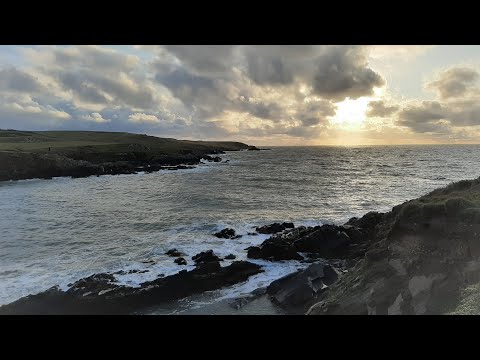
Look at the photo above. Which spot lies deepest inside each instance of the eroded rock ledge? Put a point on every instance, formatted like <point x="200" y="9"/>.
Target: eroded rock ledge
<point x="98" y="294"/>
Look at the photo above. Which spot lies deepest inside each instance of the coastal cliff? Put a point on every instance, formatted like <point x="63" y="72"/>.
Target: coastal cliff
<point x="47" y="154"/>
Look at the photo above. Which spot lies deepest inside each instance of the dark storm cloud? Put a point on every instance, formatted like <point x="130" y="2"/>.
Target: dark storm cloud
<point x="454" y="82"/>
<point x="424" y="117"/>
<point x="15" y="80"/>
<point x="315" y="112"/>
<point x="380" y="109"/>
<point x="426" y="111"/>
<point x="268" y="70"/>
<point x="343" y="72"/>
<point x="86" y="91"/>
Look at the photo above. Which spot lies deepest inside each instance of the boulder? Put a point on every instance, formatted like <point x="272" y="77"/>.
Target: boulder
<point x="180" y="261"/>
<point x="298" y="289"/>
<point x="230" y="257"/>
<point x="174" y="253"/>
<point x="274" y="228"/>
<point x="226" y="234"/>
<point x="327" y="240"/>
<point x="207" y="256"/>
<point x="275" y="250"/>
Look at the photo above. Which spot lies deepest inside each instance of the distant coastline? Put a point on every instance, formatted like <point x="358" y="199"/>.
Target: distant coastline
<point x="48" y="154"/>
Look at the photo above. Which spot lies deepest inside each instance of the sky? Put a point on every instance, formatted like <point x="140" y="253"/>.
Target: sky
<point x="258" y="94"/>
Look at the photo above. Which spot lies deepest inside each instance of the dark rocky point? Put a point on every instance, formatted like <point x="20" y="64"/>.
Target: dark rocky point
<point x="226" y="234"/>
<point x="98" y="294"/>
<point x="274" y="228"/>
<point x="174" y="253"/>
<point x="180" y="261"/>
<point x="205" y="256"/>
<point x="274" y="250"/>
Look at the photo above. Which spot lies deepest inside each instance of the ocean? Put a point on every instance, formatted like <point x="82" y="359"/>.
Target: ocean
<point x="53" y="232"/>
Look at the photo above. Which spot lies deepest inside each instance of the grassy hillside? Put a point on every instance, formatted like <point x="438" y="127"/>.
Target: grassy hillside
<point x="46" y="154"/>
<point x="423" y="258"/>
<point x="64" y="141"/>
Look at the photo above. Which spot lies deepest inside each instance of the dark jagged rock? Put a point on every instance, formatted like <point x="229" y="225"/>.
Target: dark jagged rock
<point x="230" y="257"/>
<point x="174" y="253"/>
<point x="366" y="223"/>
<point x="98" y="294"/>
<point x="212" y="158"/>
<point x="123" y="272"/>
<point x="274" y="228"/>
<point x="274" y="250"/>
<point x="180" y="261"/>
<point x="297" y="290"/>
<point x="205" y="256"/>
<point x="327" y="240"/>
<point x="226" y="234"/>
<point x="252" y="233"/>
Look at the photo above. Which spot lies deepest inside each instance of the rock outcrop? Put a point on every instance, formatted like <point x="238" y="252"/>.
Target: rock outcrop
<point x="99" y="294"/>
<point x="419" y="259"/>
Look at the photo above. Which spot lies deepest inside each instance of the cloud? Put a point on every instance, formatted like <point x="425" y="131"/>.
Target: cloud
<point x="343" y="72"/>
<point x="454" y="82"/>
<point x="141" y="117"/>
<point x="14" y="80"/>
<point x="398" y="52"/>
<point x="380" y="109"/>
<point x="204" y="59"/>
<point x="315" y="113"/>
<point x="95" y="117"/>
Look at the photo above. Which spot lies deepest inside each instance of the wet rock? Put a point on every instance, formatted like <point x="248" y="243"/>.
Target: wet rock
<point x="174" y="253"/>
<point x="180" y="261"/>
<point x="274" y="250"/>
<point x="230" y="257"/>
<point x="274" y="228"/>
<point x="205" y="256"/>
<point x="368" y="222"/>
<point x="327" y="240"/>
<point x="226" y="234"/>
<point x="298" y="289"/>
<point x="98" y="294"/>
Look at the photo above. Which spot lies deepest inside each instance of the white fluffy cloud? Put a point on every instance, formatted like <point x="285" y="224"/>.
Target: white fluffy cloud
<point x="141" y="117"/>
<point x="95" y="117"/>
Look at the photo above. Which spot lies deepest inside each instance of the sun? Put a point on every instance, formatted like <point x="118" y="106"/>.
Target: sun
<point x="351" y="113"/>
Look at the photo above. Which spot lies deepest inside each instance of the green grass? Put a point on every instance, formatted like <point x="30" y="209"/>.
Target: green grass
<point x="66" y="141"/>
<point x="469" y="303"/>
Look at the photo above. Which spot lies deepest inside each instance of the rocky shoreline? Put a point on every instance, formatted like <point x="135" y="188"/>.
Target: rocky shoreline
<point x="417" y="258"/>
<point x="44" y="155"/>
<point x="22" y="166"/>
